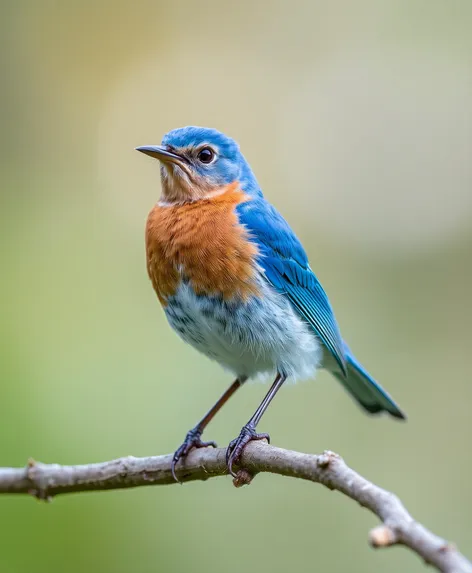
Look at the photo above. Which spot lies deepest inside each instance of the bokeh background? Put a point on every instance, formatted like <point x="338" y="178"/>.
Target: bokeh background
<point x="357" y="118"/>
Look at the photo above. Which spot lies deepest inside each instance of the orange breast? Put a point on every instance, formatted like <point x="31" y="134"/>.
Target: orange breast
<point x="204" y="243"/>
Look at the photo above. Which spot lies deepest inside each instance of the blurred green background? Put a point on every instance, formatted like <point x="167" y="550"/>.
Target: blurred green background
<point x="357" y="118"/>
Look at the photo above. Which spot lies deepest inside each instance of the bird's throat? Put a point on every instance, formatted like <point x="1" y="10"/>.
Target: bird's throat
<point x="181" y="186"/>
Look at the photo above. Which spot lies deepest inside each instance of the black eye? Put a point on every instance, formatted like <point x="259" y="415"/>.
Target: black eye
<point x="206" y="155"/>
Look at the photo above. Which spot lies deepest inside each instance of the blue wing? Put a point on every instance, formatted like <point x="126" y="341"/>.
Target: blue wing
<point x="286" y="267"/>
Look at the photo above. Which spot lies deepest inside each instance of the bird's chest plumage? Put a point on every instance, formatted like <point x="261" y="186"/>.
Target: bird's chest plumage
<point x="202" y="243"/>
<point x="203" y="268"/>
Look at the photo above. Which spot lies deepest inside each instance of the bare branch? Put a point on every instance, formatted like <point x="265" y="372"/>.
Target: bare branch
<point x="398" y="527"/>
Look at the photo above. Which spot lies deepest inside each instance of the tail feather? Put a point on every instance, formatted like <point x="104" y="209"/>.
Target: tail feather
<point x="365" y="390"/>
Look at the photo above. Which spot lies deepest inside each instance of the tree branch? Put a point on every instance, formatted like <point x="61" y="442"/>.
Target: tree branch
<point x="398" y="527"/>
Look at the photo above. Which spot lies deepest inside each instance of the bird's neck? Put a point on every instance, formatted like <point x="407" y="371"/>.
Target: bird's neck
<point x="180" y="187"/>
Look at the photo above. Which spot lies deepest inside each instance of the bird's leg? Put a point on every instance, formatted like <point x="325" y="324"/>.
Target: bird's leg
<point x="193" y="437"/>
<point x="248" y="432"/>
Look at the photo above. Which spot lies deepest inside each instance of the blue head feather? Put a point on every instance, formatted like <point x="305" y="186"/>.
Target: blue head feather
<point x="229" y="164"/>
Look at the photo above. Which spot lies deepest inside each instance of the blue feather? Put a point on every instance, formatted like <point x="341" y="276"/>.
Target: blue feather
<point x="286" y="267"/>
<point x="370" y="395"/>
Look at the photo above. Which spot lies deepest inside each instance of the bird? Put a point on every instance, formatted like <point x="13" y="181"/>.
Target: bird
<point x="236" y="284"/>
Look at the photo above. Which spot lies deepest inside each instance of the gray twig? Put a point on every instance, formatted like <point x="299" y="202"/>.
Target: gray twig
<point x="44" y="481"/>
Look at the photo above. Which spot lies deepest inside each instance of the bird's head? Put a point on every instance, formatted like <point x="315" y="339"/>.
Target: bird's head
<point x="199" y="162"/>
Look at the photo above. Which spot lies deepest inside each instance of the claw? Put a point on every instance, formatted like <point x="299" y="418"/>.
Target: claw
<point x="192" y="440"/>
<point x="236" y="447"/>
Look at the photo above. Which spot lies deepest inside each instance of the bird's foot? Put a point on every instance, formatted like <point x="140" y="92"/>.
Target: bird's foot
<point x="192" y="440"/>
<point x="236" y="447"/>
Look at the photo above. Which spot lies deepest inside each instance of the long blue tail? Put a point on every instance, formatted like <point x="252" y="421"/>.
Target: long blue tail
<point x="370" y="395"/>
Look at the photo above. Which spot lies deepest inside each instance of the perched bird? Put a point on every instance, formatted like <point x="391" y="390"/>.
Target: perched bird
<point x="235" y="282"/>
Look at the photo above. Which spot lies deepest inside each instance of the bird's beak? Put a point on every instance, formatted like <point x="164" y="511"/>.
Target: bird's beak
<point x="161" y="153"/>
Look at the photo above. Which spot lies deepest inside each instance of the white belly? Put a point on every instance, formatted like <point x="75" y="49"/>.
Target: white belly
<point x="258" y="337"/>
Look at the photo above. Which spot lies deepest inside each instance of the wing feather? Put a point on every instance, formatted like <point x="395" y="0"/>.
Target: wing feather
<point x="286" y="267"/>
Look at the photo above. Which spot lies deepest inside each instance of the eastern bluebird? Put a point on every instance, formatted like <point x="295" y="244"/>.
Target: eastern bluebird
<point x="235" y="281"/>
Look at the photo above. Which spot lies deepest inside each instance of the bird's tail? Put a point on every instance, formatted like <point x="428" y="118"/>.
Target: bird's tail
<point x="370" y="395"/>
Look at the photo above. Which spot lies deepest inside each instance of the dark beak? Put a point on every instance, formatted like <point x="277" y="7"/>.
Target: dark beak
<point x="161" y="153"/>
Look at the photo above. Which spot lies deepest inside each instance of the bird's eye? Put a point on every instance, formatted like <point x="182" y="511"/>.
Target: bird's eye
<point x="206" y="155"/>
